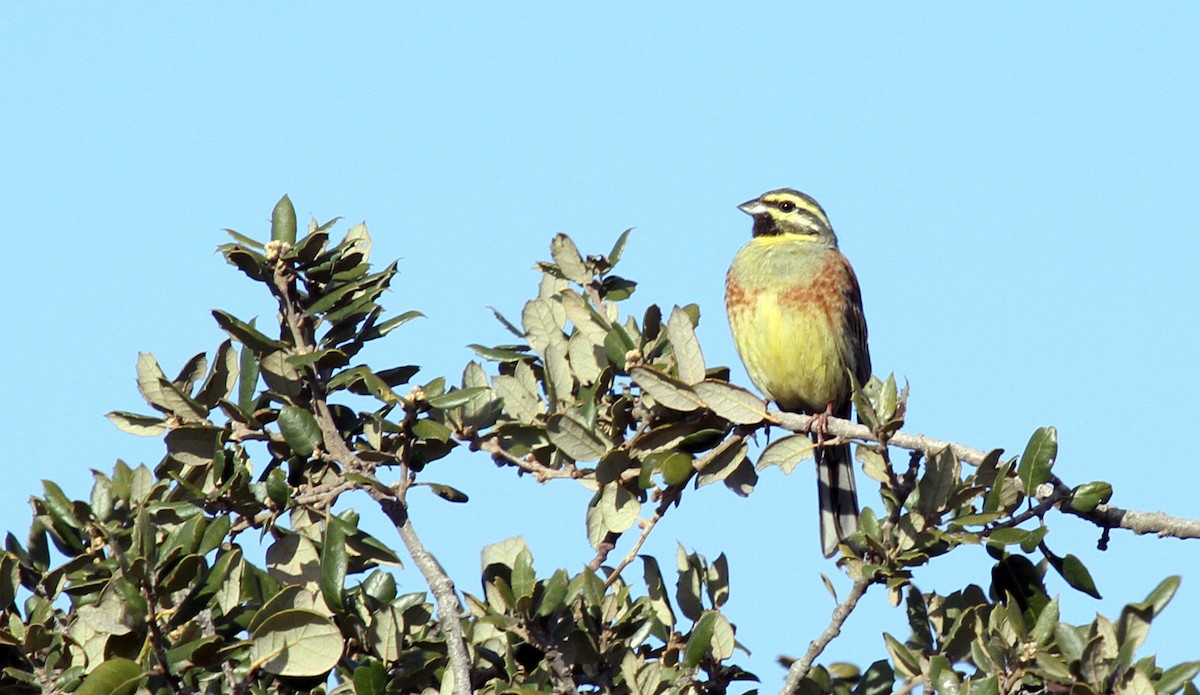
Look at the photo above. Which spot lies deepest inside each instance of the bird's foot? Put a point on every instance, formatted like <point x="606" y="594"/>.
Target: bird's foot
<point x="819" y="424"/>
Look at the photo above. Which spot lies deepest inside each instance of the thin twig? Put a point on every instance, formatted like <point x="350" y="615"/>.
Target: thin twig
<point x="539" y="471"/>
<point x="910" y="685"/>
<point x="669" y="496"/>
<point x="800" y="667"/>
<point x="440" y="584"/>
<point x="1104" y="516"/>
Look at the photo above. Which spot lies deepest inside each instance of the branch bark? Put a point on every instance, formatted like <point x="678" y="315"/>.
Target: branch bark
<point x="1104" y="516"/>
<point x="800" y="667"/>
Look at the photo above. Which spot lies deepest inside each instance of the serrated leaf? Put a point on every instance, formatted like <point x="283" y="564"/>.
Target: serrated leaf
<point x="1038" y="459"/>
<point x="733" y="403"/>
<point x="681" y="334"/>
<point x="299" y="429"/>
<point x="786" y="452"/>
<point x="668" y="391"/>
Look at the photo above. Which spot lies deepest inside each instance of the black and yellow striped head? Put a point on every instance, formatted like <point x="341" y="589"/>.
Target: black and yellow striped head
<point x="786" y="212"/>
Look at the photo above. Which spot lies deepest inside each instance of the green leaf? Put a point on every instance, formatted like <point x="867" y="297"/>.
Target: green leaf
<point x="667" y="390"/>
<point x="141" y="425"/>
<point x="242" y="238"/>
<point x="786" y="452"/>
<point x="938" y="484"/>
<point x="1047" y="622"/>
<point x="566" y="257"/>
<point x="497" y="354"/>
<point x="902" y="656"/>
<point x="334" y="562"/>
<point x="455" y="398"/>
<point x="1176" y="677"/>
<point x="1038" y="459"/>
<point x="1073" y="570"/>
<point x="296" y="643"/>
<point x="162" y="394"/>
<point x="617" y="289"/>
<point x="676" y="467"/>
<point x="722" y="462"/>
<point x="618" y="248"/>
<point x="733" y="403"/>
<point x="447" y="493"/>
<point x="245" y="333"/>
<point x="283" y="221"/>
<point x="554" y="591"/>
<point x="223" y="377"/>
<point x="300" y="429"/>
<point x="114" y="676"/>
<point x="689" y="360"/>
<point x="941" y="674"/>
<point x="656" y="591"/>
<point x="523" y="578"/>
<point x="613" y="509"/>
<point x="370" y="678"/>
<point x="700" y="640"/>
<point x="1088" y="496"/>
<point x="576" y="439"/>
<point x="1162" y="594"/>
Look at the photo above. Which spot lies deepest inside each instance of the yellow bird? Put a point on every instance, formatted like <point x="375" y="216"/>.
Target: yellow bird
<point x="796" y="314"/>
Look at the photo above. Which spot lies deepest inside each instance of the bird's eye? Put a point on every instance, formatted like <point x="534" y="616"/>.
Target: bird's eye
<point x="787" y="206"/>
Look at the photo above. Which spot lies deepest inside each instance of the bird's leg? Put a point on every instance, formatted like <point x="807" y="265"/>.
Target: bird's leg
<point x="819" y="422"/>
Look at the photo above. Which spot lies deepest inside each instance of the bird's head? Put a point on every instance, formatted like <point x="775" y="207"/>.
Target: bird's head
<point x="787" y="212"/>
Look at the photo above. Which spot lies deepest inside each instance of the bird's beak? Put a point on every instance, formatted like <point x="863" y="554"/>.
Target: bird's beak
<point x="753" y="207"/>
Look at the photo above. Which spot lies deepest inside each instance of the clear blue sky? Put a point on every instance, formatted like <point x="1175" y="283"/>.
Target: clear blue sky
<point x="1017" y="190"/>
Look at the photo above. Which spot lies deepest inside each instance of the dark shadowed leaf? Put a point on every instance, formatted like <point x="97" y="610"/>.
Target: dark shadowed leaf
<point x="300" y="429"/>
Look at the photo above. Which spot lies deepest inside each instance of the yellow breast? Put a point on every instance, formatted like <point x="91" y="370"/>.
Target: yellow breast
<point x="786" y="304"/>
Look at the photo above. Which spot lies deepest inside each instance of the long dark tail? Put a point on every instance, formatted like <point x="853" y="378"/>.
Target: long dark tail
<point x="837" y="495"/>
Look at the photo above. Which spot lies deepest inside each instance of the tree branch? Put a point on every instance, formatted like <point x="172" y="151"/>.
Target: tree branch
<point x="1104" y="516"/>
<point x="440" y="584"/>
<point x="800" y="667"/>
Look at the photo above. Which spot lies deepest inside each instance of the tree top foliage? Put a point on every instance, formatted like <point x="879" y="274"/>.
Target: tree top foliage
<point x="151" y="584"/>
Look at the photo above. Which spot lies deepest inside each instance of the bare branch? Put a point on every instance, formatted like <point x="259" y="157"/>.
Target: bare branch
<point x="1104" y="516"/>
<point x="800" y="667"/>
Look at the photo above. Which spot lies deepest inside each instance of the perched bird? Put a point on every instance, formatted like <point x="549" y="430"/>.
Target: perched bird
<point x="796" y="314"/>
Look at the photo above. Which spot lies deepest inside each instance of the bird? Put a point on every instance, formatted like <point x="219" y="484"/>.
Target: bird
<point x="795" y="311"/>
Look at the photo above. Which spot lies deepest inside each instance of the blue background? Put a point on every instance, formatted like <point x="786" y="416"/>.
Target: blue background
<point x="1016" y="187"/>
